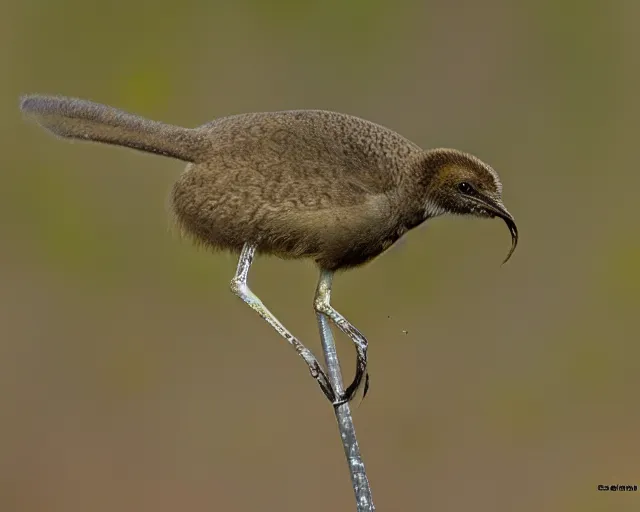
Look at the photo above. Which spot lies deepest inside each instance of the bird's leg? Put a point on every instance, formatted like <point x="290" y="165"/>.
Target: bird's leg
<point x="240" y="288"/>
<point x="322" y="304"/>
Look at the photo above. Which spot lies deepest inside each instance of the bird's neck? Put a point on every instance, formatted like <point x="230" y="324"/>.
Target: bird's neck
<point x="413" y="201"/>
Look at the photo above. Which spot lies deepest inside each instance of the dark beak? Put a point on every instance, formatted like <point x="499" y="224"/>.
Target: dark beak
<point x="498" y="210"/>
<point x="513" y="229"/>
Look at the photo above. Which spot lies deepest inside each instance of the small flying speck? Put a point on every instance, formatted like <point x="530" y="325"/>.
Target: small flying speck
<point x="405" y="331"/>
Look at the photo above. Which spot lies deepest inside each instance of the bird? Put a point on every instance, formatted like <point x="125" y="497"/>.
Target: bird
<point x="311" y="184"/>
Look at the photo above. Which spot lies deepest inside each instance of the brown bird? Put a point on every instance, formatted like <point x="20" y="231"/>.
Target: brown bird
<point x="331" y="187"/>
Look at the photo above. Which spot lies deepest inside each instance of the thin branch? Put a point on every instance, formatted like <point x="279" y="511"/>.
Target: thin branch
<point x="364" y="501"/>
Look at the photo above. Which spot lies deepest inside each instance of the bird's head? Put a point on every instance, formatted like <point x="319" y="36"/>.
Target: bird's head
<point x="461" y="184"/>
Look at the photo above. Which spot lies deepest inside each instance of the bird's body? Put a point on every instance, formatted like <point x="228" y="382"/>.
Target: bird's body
<point x="296" y="184"/>
<point x="309" y="183"/>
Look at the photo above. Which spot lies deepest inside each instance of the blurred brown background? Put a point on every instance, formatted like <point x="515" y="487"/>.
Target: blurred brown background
<point x="131" y="379"/>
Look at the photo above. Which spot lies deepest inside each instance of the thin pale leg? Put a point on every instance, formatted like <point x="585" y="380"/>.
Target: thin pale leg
<point x="322" y="304"/>
<point x="240" y="288"/>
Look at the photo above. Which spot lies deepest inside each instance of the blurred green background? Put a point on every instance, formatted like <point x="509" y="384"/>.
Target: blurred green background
<point x="131" y="379"/>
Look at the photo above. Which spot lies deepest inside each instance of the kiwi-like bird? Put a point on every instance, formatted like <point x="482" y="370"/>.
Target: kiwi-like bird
<point x="315" y="184"/>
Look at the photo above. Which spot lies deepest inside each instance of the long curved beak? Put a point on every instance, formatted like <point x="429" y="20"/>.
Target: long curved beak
<point x="513" y="229"/>
<point x="499" y="210"/>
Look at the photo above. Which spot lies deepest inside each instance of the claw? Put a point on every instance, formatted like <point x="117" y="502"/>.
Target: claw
<point x="324" y="383"/>
<point x="366" y="386"/>
<point x="340" y="401"/>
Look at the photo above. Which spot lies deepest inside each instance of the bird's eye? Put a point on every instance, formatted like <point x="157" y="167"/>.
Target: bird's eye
<point x="466" y="188"/>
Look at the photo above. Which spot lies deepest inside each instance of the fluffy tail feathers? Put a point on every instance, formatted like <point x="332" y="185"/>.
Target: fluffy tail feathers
<point x="74" y="118"/>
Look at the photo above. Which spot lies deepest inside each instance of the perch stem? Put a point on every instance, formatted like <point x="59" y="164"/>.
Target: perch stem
<point x="364" y="501"/>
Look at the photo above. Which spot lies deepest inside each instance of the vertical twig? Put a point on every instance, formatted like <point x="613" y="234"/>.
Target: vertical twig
<point x="361" y="488"/>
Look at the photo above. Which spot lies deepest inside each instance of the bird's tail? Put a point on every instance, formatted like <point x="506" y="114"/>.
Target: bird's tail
<point x="85" y="120"/>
